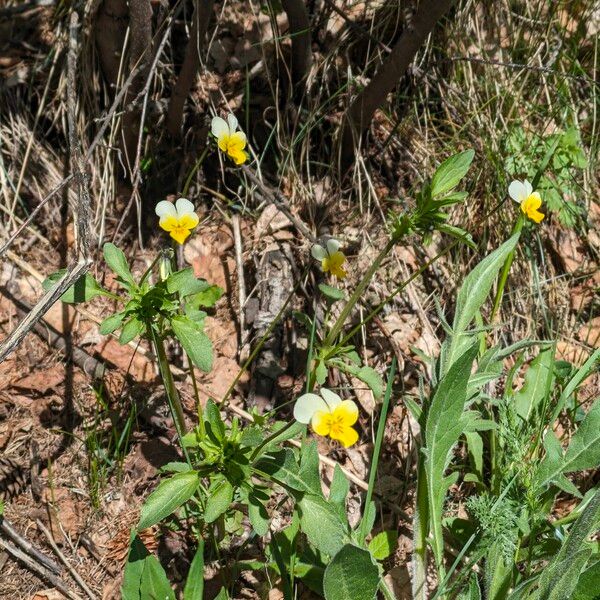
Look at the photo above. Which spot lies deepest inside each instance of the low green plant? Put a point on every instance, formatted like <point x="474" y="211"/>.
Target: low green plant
<point x="231" y="473"/>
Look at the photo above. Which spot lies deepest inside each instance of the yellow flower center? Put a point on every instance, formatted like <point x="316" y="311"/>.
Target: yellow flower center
<point x="530" y="207"/>
<point x="233" y="145"/>
<point x="179" y="228"/>
<point x="337" y="424"/>
<point x="333" y="264"/>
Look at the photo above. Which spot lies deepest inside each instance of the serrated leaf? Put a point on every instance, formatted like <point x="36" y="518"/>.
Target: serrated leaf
<point x="583" y="451"/>
<point x="383" y="544"/>
<point x="194" y="341"/>
<point x="184" y="283"/>
<point x="322" y="524"/>
<point x="282" y="467"/>
<point x="167" y="498"/>
<point x="83" y="290"/>
<point x="116" y="260"/>
<point x="559" y="578"/>
<point x="351" y="575"/>
<point x="450" y="172"/>
<point x="220" y="496"/>
<point x="111" y="323"/>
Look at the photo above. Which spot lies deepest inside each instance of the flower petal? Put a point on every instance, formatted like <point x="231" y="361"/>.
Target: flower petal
<point x="184" y="207"/>
<point x="517" y="191"/>
<point x="318" y="252"/>
<point x="237" y="140"/>
<point x="168" y="222"/>
<point x="307" y="405"/>
<point x="528" y="188"/>
<point x="347" y="412"/>
<point x="535" y="200"/>
<point x="232" y="122"/>
<point x="348" y="436"/>
<point x="333" y="246"/>
<point x="180" y="235"/>
<point x="321" y="422"/>
<point x="331" y="398"/>
<point x="189" y="221"/>
<point x="219" y="127"/>
<point x="239" y="156"/>
<point x="165" y="208"/>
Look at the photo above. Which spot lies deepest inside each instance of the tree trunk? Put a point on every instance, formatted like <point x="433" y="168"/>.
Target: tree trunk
<point x="299" y="23"/>
<point x="360" y="113"/>
<point x="140" y="56"/>
<point x="190" y="66"/>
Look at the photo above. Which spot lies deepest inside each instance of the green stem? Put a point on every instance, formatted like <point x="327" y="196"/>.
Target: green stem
<point x="506" y="269"/>
<point x="199" y="409"/>
<point x="269" y="439"/>
<point x="358" y="292"/>
<point x="170" y="389"/>
<point x="377" y="450"/>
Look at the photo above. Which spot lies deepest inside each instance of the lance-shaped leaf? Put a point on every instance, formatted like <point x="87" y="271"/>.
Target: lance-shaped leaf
<point x="472" y="295"/>
<point x="443" y="426"/>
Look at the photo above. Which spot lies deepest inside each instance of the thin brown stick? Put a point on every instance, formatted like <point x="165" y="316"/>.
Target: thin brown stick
<point x="80" y="266"/>
<point x="360" y="113"/>
<point x="190" y="66"/>
<point x="280" y="201"/>
<point x="38" y="569"/>
<point x="8" y="530"/>
<point x="65" y="562"/>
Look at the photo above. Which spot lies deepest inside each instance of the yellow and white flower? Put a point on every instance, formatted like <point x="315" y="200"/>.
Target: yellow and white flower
<point x="331" y="257"/>
<point x="328" y="415"/>
<point x="530" y="201"/>
<point x="229" y="140"/>
<point x="178" y="219"/>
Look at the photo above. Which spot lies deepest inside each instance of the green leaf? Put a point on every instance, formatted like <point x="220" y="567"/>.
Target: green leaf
<point x="168" y="497"/>
<point x="220" y="496"/>
<point x="339" y="489"/>
<point x="154" y="584"/>
<point x="206" y="298"/>
<point x="257" y="513"/>
<point x="472" y="295"/>
<point x="583" y="451"/>
<point x="443" y="426"/>
<point x="83" y="290"/>
<point x="194" y="341"/>
<point x="134" y="569"/>
<point x="112" y="323"/>
<point x="366" y="374"/>
<point x="194" y="585"/>
<point x="559" y="578"/>
<point x="331" y="293"/>
<point x="222" y="595"/>
<point x="351" y="575"/>
<point x="587" y="586"/>
<point x="282" y="467"/>
<point x="383" y="544"/>
<point x="309" y="467"/>
<point x="322" y="524"/>
<point x="131" y="330"/>
<point x="213" y="420"/>
<point x="534" y="388"/>
<point x="117" y="261"/>
<point x="184" y="283"/>
<point x="450" y="172"/>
